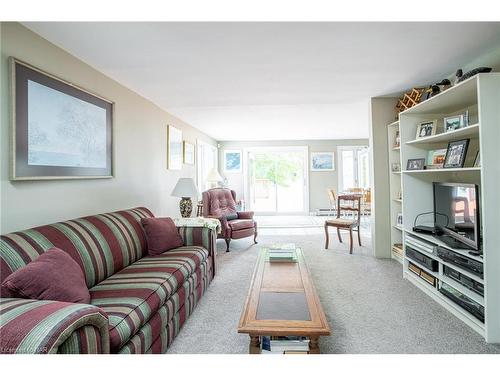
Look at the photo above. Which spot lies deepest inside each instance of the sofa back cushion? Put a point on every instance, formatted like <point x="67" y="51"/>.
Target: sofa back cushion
<point x="101" y="244"/>
<point x="219" y="202"/>
<point x="161" y="235"/>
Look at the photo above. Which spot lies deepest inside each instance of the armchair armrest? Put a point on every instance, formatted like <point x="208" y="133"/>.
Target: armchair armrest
<point x="245" y="215"/>
<point x="32" y="326"/>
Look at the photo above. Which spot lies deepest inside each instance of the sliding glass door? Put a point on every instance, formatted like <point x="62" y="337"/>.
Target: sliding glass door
<point x="276" y="180"/>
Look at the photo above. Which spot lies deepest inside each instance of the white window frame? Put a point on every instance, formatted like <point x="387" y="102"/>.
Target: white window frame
<point x="200" y="145"/>
<point x="341" y="186"/>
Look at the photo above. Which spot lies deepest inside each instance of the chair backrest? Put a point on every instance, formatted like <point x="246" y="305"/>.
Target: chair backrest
<point x="101" y="244"/>
<point x="353" y="205"/>
<point x="332" y="196"/>
<point x="368" y="196"/>
<point x="356" y="190"/>
<point x="219" y="202"/>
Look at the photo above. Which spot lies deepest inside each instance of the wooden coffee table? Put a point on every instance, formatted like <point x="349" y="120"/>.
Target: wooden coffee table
<point x="282" y="301"/>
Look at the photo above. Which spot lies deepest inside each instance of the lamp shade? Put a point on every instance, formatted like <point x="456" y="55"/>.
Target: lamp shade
<point x="185" y="188"/>
<point x="214" y="176"/>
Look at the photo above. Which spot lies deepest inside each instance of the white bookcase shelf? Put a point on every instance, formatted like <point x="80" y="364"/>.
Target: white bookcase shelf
<point x="480" y="95"/>
<point x="394" y="153"/>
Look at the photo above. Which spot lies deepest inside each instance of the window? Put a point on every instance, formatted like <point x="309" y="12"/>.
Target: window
<point x="354" y="167"/>
<point x="206" y="157"/>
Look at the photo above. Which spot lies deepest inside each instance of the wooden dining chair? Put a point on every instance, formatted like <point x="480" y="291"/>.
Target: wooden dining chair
<point x="341" y="223"/>
<point x="332" y="197"/>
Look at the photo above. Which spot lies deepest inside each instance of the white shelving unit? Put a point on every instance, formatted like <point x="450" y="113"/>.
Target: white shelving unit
<point x="480" y="95"/>
<point x="396" y="203"/>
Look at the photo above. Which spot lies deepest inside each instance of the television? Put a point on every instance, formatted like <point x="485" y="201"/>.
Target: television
<point x="456" y="214"/>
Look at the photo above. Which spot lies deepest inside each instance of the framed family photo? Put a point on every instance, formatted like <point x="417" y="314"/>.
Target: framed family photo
<point x="456" y="122"/>
<point x="322" y="161"/>
<point x="59" y="130"/>
<point x="426" y="129"/>
<point x="456" y="153"/>
<point x="415" y="164"/>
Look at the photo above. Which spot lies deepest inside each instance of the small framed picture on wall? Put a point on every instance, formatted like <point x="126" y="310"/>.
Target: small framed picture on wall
<point x="232" y="161"/>
<point x="322" y="161"/>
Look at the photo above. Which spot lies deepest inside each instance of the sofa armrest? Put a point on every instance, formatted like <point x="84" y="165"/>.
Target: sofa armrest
<point x="37" y="327"/>
<point x="201" y="236"/>
<point x="245" y="215"/>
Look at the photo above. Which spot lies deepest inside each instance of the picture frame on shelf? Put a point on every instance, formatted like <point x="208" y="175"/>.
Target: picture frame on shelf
<point x="188" y="153"/>
<point x="174" y="148"/>
<point x="399" y="220"/>
<point x="397" y="140"/>
<point x="477" y="160"/>
<point x="395" y="167"/>
<point x="426" y="129"/>
<point x="322" y="161"/>
<point x="415" y="164"/>
<point x="456" y="122"/>
<point x="456" y="153"/>
<point x="400" y="194"/>
<point x="435" y="158"/>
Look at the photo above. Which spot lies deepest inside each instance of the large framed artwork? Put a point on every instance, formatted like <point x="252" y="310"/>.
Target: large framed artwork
<point x="174" y="148"/>
<point x="322" y="161"/>
<point x="59" y="130"/>
<point x="232" y="161"/>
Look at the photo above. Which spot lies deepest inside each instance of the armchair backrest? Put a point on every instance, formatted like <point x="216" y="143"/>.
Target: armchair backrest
<point x="219" y="202"/>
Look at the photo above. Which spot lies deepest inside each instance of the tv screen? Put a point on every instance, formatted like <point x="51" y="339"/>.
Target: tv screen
<point x="456" y="211"/>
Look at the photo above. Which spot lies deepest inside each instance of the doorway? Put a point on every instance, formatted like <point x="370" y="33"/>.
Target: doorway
<point x="354" y="167"/>
<point x="276" y="180"/>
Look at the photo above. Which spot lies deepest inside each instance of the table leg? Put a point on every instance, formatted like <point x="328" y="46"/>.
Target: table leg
<point x="254" y="347"/>
<point x="314" y="345"/>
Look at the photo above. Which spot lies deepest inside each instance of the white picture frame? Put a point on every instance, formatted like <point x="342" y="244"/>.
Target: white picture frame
<point x="426" y="129"/>
<point x="322" y="161"/>
<point x="232" y="161"/>
<point x="188" y="152"/>
<point x="174" y="148"/>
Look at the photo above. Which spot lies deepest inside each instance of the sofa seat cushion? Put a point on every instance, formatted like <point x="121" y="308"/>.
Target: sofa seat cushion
<point x="131" y="296"/>
<point x="240" y="224"/>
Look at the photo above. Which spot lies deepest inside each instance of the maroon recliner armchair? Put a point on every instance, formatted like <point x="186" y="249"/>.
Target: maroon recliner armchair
<point x="220" y="203"/>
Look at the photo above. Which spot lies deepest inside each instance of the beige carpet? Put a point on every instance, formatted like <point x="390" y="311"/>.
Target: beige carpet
<point x="370" y="308"/>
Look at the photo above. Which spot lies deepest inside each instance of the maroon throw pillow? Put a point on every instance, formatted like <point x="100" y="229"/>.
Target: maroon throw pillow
<point x="54" y="275"/>
<point x="161" y="235"/>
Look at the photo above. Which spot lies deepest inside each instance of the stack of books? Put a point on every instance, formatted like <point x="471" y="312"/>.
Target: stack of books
<point x="282" y="253"/>
<point x="285" y="345"/>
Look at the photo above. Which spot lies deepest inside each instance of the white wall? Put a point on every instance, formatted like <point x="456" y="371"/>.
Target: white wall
<point x="318" y="181"/>
<point x="141" y="177"/>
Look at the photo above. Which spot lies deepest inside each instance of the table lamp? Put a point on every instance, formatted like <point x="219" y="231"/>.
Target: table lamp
<point x="185" y="189"/>
<point x="214" y="177"/>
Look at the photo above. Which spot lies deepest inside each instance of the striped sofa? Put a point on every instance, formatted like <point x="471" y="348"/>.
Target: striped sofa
<point x="138" y="302"/>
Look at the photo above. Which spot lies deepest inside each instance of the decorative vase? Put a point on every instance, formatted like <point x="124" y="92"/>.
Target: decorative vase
<point x="186" y="207"/>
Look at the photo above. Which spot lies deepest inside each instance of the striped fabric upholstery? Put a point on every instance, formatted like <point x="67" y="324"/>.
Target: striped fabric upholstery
<point x="32" y="326"/>
<point x="138" y="302"/>
<point x="178" y="307"/>
<point x="85" y="340"/>
<point x="101" y="244"/>
<point x="200" y="236"/>
<point x="131" y="296"/>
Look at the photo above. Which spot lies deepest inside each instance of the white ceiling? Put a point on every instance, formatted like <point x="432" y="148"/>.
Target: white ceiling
<point x="258" y="81"/>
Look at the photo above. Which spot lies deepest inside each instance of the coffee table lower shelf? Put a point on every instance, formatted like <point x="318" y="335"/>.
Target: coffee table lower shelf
<point x="255" y="347"/>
